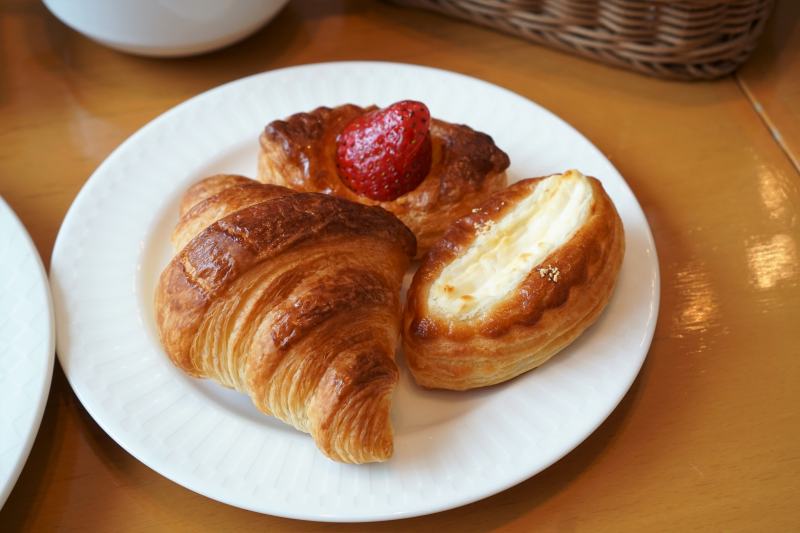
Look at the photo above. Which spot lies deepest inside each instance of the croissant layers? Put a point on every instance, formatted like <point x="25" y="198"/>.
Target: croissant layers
<point x="293" y="299"/>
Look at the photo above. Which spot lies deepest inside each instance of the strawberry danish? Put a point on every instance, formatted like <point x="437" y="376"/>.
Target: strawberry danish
<point x="427" y="172"/>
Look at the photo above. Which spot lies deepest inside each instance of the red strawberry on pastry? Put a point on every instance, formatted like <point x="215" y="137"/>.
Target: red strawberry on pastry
<point x="386" y="153"/>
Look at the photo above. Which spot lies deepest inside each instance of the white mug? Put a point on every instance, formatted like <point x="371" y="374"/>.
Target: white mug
<point x="167" y="28"/>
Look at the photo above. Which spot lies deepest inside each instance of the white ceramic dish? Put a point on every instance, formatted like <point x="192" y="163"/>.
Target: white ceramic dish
<point x="27" y="346"/>
<point x="450" y="448"/>
<point x="168" y="28"/>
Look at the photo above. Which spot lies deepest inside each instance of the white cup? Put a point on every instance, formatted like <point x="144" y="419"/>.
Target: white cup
<point x="166" y="28"/>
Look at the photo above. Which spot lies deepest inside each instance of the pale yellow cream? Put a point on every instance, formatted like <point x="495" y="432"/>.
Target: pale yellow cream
<point x="505" y="252"/>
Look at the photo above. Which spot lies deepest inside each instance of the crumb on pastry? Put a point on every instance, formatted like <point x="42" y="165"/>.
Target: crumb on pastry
<point x="549" y="272"/>
<point x="484" y="227"/>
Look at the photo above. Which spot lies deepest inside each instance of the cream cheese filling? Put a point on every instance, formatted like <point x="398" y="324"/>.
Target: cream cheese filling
<point x="506" y="251"/>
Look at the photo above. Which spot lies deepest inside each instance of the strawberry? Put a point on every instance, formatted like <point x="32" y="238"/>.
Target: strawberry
<point x="386" y="153"/>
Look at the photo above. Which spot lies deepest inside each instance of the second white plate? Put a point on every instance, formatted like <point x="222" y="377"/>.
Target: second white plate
<point x="450" y="448"/>
<point x="27" y="346"/>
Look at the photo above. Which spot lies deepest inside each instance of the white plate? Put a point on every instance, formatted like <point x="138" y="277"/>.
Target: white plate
<point x="26" y="346"/>
<point x="450" y="448"/>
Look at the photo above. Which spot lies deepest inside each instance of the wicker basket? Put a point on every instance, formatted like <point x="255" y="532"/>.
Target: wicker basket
<point x="687" y="40"/>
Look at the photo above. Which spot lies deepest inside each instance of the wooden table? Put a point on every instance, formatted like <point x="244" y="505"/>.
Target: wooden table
<point x="709" y="435"/>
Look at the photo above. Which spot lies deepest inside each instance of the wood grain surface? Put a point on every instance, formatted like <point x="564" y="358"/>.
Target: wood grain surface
<point x="772" y="78"/>
<point x="706" y="439"/>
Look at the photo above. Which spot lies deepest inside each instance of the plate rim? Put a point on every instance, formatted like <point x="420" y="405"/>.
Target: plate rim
<point x="48" y="352"/>
<point x="647" y="337"/>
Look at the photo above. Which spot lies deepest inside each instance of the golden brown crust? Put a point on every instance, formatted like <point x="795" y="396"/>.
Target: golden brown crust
<point x="536" y="320"/>
<point x="216" y="197"/>
<point x="293" y="300"/>
<point x="208" y="187"/>
<point x="300" y="153"/>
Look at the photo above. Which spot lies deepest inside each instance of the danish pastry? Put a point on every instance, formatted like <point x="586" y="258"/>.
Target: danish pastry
<point x="465" y="167"/>
<point x="513" y="282"/>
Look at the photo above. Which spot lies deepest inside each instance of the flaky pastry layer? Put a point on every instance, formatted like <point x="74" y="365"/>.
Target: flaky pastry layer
<point x="293" y="299"/>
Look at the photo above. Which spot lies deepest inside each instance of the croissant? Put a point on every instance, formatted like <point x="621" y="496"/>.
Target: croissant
<point x="293" y="299"/>
<point x="467" y="167"/>
<point x="513" y="283"/>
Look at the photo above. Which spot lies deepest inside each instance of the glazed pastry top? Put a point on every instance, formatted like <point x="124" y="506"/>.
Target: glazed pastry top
<point x="462" y="157"/>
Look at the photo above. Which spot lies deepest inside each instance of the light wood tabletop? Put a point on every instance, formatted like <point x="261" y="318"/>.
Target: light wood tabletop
<point x="707" y="438"/>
